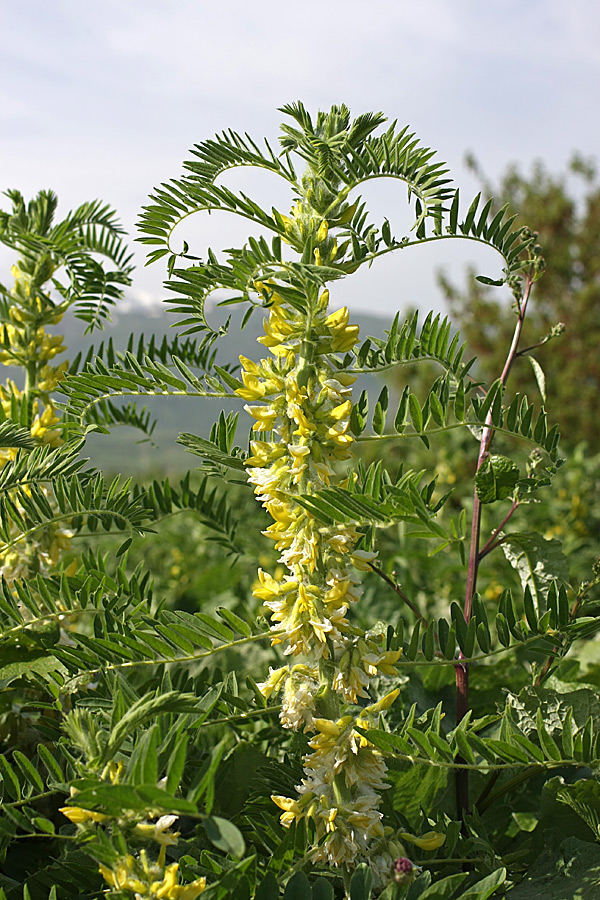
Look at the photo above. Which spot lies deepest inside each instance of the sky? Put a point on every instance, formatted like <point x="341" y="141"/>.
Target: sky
<point x="104" y="99"/>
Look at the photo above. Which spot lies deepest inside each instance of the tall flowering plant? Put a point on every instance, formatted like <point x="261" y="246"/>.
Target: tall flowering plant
<point x="336" y="679"/>
<point x="304" y="408"/>
<point x="61" y="266"/>
<point x="164" y="776"/>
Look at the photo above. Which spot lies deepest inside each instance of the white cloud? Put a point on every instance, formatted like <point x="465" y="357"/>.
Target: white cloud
<point x="104" y="99"/>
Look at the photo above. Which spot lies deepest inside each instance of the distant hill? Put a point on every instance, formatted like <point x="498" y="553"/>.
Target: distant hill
<point x="122" y="451"/>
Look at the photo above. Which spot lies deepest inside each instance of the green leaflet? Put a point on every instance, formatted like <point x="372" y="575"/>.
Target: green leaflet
<point x="224" y="835"/>
<point x="496" y="479"/>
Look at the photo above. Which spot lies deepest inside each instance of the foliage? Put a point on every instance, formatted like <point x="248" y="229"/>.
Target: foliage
<point x="147" y="751"/>
<point x="566" y="209"/>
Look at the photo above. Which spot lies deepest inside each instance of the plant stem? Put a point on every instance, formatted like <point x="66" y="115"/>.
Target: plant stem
<point x="396" y="587"/>
<point x="462" y="670"/>
<point x="490" y="545"/>
<point x="485" y="802"/>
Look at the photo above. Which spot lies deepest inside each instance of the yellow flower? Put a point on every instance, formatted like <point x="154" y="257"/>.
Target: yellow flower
<point x="253" y="390"/>
<point x="326" y="726"/>
<point x="341" y="411"/>
<point x="159" y="830"/>
<point x="190" y="891"/>
<point x="345" y="339"/>
<point x="80" y="816"/>
<point x="250" y="366"/>
<point x="292" y="810"/>
<point x="164" y="890"/>
<point x="362" y="558"/>
<point x="432" y="840"/>
<point x="338" y="319"/>
<point x="323" y="230"/>
<point x="273" y="682"/>
<point x="386" y="701"/>
<point x="265" y="416"/>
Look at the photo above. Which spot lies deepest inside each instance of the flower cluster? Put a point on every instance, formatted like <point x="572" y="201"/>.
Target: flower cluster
<point x="26" y="344"/>
<point x="303" y="421"/>
<point x="153" y="881"/>
<point x="301" y="403"/>
<point x="147" y="880"/>
<point x="340" y="792"/>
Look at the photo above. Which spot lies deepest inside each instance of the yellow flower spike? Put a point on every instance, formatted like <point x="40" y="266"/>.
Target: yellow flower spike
<point x="318" y="259"/>
<point x="432" y="840"/>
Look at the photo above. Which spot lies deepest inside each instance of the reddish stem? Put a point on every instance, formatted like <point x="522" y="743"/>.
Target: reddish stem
<point x="490" y="545"/>
<point x="462" y="669"/>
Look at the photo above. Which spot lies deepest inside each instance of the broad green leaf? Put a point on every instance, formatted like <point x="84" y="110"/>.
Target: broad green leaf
<point x="360" y="883"/>
<point x="496" y="479"/>
<point x="113" y="798"/>
<point x="443" y="889"/>
<point x="144" y="710"/>
<point x="268" y="889"/>
<point x="322" y="889"/>
<point x="224" y="835"/>
<point x="486" y="887"/>
<point x="415" y="788"/>
<point x="298" y="888"/>
<point x="584" y="798"/>
<point x="554" y="706"/>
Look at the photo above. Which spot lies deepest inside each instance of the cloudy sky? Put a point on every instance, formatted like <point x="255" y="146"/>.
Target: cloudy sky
<point x="103" y="99"/>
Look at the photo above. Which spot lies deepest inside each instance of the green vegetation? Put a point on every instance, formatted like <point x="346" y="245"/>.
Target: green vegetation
<point x="378" y="681"/>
